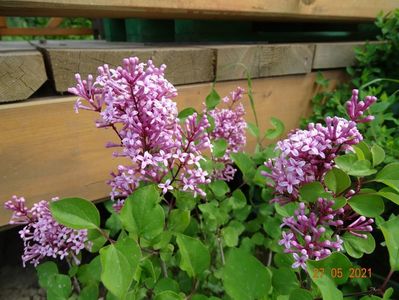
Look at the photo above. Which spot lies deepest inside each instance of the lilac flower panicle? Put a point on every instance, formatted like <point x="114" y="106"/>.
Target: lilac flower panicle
<point x="229" y="125"/>
<point x="42" y="235"/>
<point x="306" y="156"/>
<point x="135" y="100"/>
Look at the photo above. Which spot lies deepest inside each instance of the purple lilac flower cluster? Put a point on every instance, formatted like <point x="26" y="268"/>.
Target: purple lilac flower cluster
<point x="42" y="235"/>
<point x="229" y="125"/>
<point x="306" y="156"/>
<point x="135" y="100"/>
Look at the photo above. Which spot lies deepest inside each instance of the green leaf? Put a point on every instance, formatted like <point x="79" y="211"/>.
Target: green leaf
<point x="232" y="232"/>
<point x="320" y="80"/>
<point x="244" y="163"/>
<point x="212" y="99"/>
<point x="284" y="280"/>
<point x="97" y="239"/>
<point x="195" y="258"/>
<point x="357" y="246"/>
<point x="378" y="154"/>
<point x="325" y="283"/>
<point x="219" y="147"/>
<point x="389" y="194"/>
<point x="253" y="129"/>
<point x="166" y="284"/>
<point x="390" y="231"/>
<point x="168" y="295"/>
<point x="244" y="277"/>
<point x="186" y="112"/>
<point x="237" y="200"/>
<point x="363" y="151"/>
<point x="368" y="205"/>
<point x="277" y="131"/>
<point x="114" y="224"/>
<point x="272" y="227"/>
<point x="179" y="220"/>
<point x="310" y="192"/>
<point x="89" y="292"/>
<point x="286" y="210"/>
<point x="352" y="166"/>
<point x="388" y="293"/>
<point x="337" y="180"/>
<point x="119" y="262"/>
<point x="219" y="188"/>
<point x="45" y="271"/>
<point x="389" y="175"/>
<point x="90" y="273"/>
<point x="141" y="213"/>
<point x="211" y="121"/>
<point x="59" y="287"/>
<point x="300" y="294"/>
<point x="339" y="202"/>
<point x="282" y="260"/>
<point x="75" y="213"/>
<point x="184" y="200"/>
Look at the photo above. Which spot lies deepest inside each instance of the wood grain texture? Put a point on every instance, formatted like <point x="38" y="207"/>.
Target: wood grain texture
<point x="21" y="74"/>
<point x="185" y="64"/>
<point x="285" y="59"/>
<point x="334" y="55"/>
<point x="353" y="10"/>
<point x="47" y="150"/>
<point x="233" y="61"/>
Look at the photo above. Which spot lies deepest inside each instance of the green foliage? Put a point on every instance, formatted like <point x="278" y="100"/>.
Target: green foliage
<point x="75" y="213"/>
<point x="367" y="205"/>
<point x="195" y="258"/>
<point x="376" y="72"/>
<point x="119" y="262"/>
<point x="142" y="215"/>
<point x="228" y="245"/>
<point x="212" y="99"/>
<point x="337" y="180"/>
<point x="356" y="246"/>
<point x="390" y="230"/>
<point x="238" y="276"/>
<point x="38" y="22"/>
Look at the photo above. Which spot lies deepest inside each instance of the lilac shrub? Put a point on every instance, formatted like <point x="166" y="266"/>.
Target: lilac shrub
<point x="305" y="157"/>
<point x="135" y="100"/>
<point x="42" y="235"/>
<point x="177" y="230"/>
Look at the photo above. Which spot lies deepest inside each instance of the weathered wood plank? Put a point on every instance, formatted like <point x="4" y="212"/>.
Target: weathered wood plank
<point x="352" y="10"/>
<point x="21" y="72"/>
<point x="285" y="59"/>
<point x="48" y="150"/>
<point x="334" y="55"/>
<point x="233" y="61"/>
<point x="185" y="64"/>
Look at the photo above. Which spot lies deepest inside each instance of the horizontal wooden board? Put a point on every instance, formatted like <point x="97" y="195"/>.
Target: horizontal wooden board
<point x="21" y="74"/>
<point x="47" y="150"/>
<point x="234" y="61"/>
<point x="335" y="55"/>
<point x="352" y="10"/>
<point x="185" y="64"/>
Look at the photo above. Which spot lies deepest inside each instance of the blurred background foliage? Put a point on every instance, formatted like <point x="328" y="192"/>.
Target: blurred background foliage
<point x="29" y="22"/>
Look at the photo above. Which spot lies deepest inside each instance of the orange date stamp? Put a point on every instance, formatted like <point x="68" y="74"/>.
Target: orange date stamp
<point x="340" y="272"/>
